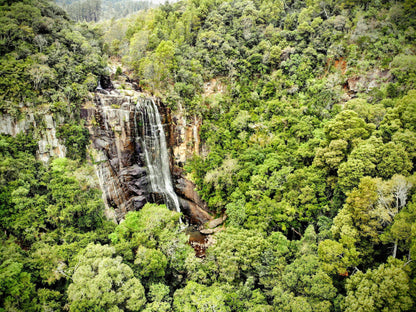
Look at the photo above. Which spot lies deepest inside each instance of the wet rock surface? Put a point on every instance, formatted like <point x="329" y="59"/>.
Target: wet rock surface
<point x="191" y="202"/>
<point x="120" y="164"/>
<point x="216" y="222"/>
<point x="199" y="241"/>
<point x="120" y="160"/>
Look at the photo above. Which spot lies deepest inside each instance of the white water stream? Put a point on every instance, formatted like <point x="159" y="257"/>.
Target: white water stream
<point x="150" y="133"/>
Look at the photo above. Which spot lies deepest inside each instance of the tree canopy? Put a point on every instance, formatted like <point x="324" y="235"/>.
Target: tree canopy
<point x="307" y="145"/>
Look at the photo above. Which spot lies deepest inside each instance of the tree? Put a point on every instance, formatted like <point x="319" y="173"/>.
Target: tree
<point x="241" y="253"/>
<point x="49" y="300"/>
<point x="48" y="262"/>
<point x="364" y="221"/>
<point x="154" y="235"/>
<point x="393" y="160"/>
<point x="385" y="288"/>
<point x="305" y="190"/>
<point x="360" y="204"/>
<point x="347" y="125"/>
<point x="157" y="68"/>
<point x="75" y="138"/>
<point x="159" y="297"/>
<point x="407" y="139"/>
<point x="275" y="53"/>
<point x="17" y="290"/>
<point x="403" y="68"/>
<point x="196" y="297"/>
<point x="370" y="113"/>
<point x="355" y="230"/>
<point x="150" y="262"/>
<point x="146" y="227"/>
<point x="102" y="282"/>
<point x="304" y="286"/>
<point x="138" y="45"/>
<point x="362" y="161"/>
<point x="69" y="204"/>
<point x="392" y="198"/>
<point x="338" y="257"/>
<point x="82" y="10"/>
<point x="331" y="156"/>
<point x="400" y="117"/>
<point x="401" y="233"/>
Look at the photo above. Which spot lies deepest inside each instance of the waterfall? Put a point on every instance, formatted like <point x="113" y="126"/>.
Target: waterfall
<point x="150" y="133"/>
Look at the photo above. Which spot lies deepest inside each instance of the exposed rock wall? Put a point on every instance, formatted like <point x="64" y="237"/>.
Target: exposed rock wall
<point x="49" y="145"/>
<point x="365" y="83"/>
<point x="184" y="139"/>
<point x="120" y="162"/>
<point x="11" y="126"/>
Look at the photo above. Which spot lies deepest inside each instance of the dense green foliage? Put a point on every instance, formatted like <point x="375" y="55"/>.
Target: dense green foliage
<point x="308" y="114"/>
<point x="46" y="62"/>
<point x="47" y="214"/>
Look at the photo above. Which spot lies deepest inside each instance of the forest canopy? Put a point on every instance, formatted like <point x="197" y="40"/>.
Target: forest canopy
<point x="308" y="113"/>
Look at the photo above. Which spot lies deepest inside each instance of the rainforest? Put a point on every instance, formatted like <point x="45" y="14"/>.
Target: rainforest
<point x="208" y="155"/>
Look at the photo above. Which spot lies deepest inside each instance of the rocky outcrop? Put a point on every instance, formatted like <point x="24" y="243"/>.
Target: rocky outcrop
<point x="49" y="145"/>
<point x="184" y="140"/>
<point x="11" y="126"/>
<point x="191" y="202"/>
<point x="117" y="156"/>
<point x="216" y="222"/>
<point x="46" y="125"/>
<point x="120" y="161"/>
<point x="200" y="242"/>
<point x="371" y="80"/>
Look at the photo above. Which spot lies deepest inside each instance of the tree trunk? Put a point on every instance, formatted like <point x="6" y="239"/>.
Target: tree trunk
<point x="395" y="248"/>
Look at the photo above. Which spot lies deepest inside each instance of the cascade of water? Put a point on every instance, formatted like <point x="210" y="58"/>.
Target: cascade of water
<point x="151" y="135"/>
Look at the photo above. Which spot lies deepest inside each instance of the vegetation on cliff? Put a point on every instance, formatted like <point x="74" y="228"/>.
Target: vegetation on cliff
<point x="308" y="113"/>
<point x="45" y="58"/>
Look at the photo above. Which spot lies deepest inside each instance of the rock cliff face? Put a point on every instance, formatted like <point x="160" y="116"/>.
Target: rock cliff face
<point x="121" y="172"/>
<point x="120" y="160"/>
<point x="48" y="143"/>
<point x="185" y="142"/>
